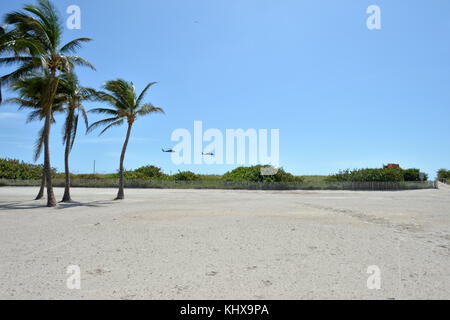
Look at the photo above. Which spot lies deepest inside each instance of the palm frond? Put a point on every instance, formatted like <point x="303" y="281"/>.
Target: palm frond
<point x="38" y="144"/>
<point x="72" y="46"/>
<point x="7" y="61"/>
<point x="49" y="19"/>
<point x="104" y="97"/>
<point x="21" y="102"/>
<point x="123" y="92"/>
<point x="84" y="115"/>
<point x="18" y="73"/>
<point x="142" y="95"/>
<point x="80" y="62"/>
<point x="35" y="115"/>
<point x="104" y="111"/>
<point x="74" y="131"/>
<point x="101" y="123"/>
<point x="149" y="108"/>
<point x="67" y="127"/>
<point x="114" y="124"/>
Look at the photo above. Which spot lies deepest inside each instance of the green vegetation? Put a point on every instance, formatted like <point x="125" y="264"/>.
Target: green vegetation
<point x="385" y="174"/>
<point x="145" y="172"/>
<point x="185" y="176"/>
<point x="313" y="179"/>
<point x="14" y="172"/>
<point x="19" y="170"/>
<point x="444" y="175"/>
<point x="253" y="174"/>
<point x="413" y="175"/>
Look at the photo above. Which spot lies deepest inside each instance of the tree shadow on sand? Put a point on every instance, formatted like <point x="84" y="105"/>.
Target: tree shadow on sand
<point x="61" y="205"/>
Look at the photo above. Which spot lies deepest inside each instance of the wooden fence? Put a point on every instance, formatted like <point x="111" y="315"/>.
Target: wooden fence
<point x="219" y="184"/>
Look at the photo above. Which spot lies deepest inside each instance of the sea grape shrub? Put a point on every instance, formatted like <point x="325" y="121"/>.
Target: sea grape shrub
<point x="185" y="176"/>
<point x="253" y="174"/>
<point x="444" y="174"/>
<point x="19" y="170"/>
<point x="389" y="174"/>
<point x="413" y="175"/>
<point x="143" y="173"/>
<point x="149" y="172"/>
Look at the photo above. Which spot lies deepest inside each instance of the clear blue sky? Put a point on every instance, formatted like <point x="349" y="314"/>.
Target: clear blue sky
<point x="342" y="96"/>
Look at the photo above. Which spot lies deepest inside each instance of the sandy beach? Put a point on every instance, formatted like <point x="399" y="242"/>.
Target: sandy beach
<point x="215" y="244"/>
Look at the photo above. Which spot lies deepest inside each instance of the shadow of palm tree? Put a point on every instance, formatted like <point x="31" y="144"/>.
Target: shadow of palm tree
<point x="20" y="206"/>
<point x="93" y="204"/>
<point x="61" y="205"/>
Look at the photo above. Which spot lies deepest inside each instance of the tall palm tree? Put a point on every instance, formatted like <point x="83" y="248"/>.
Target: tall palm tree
<point x="35" y="44"/>
<point x="125" y="106"/>
<point x="74" y="95"/>
<point x="30" y="91"/>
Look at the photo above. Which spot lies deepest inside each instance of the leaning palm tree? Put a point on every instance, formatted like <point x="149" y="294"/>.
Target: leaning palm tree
<point x="74" y="95"/>
<point x="35" y="44"/>
<point x="29" y="92"/>
<point x="125" y="105"/>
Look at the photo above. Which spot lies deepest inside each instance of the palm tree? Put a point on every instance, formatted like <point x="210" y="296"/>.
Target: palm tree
<point x="35" y="44"/>
<point x="125" y="105"/>
<point x="74" y="95"/>
<point x="29" y="92"/>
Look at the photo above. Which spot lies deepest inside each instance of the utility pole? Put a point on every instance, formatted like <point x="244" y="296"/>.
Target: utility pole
<point x="94" y="168"/>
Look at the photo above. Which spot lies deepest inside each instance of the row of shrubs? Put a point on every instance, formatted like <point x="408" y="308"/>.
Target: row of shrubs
<point x="385" y="174"/>
<point x="240" y="174"/>
<point x="19" y="170"/>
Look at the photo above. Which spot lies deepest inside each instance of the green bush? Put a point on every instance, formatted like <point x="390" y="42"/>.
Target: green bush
<point x="150" y="171"/>
<point x="369" y="175"/>
<point x="389" y="174"/>
<point x="19" y="170"/>
<point x="145" y="172"/>
<point x="185" y="176"/>
<point x="413" y="175"/>
<point x="253" y="174"/>
<point x="444" y="174"/>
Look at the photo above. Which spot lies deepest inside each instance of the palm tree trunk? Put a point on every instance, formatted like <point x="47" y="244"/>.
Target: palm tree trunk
<point x="120" y="194"/>
<point x="66" y="197"/>
<point x="51" y="201"/>
<point x="41" y="190"/>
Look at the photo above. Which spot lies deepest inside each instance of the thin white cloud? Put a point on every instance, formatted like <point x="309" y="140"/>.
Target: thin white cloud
<point x="14" y="136"/>
<point x="17" y="144"/>
<point x="10" y="115"/>
<point x="110" y="140"/>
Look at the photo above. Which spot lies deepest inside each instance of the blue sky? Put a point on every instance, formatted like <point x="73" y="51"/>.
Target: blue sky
<point x="341" y="95"/>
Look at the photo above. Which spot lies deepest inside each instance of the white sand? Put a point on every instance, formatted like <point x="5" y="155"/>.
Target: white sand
<point x="213" y="244"/>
